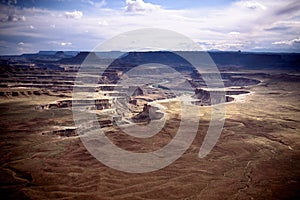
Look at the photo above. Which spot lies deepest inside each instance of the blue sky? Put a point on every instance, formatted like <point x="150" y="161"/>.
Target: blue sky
<point x="250" y="25"/>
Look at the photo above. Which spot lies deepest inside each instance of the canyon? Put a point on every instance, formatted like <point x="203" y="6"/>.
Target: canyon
<point x="42" y="155"/>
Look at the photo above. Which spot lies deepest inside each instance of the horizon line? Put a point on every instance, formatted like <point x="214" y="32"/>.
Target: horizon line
<point x="111" y="51"/>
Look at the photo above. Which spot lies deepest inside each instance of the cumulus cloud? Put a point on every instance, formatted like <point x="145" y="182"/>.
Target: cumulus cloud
<point x="140" y="6"/>
<point x="11" y="14"/>
<point x="12" y="18"/>
<point x="74" y="15"/>
<point x="243" y="24"/>
<point x="288" y="42"/>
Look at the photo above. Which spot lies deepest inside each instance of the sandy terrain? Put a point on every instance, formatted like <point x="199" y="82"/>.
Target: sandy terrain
<point x="256" y="157"/>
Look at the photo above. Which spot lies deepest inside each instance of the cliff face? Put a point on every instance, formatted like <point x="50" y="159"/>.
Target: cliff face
<point x="257" y="60"/>
<point x="98" y="104"/>
<point x="221" y="59"/>
<point x="202" y="95"/>
<point x="23" y="93"/>
<point x="79" y="58"/>
<point x="240" y="82"/>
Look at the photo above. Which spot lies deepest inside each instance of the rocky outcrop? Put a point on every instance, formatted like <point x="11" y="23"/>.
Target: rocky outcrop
<point x="63" y="132"/>
<point x="237" y="92"/>
<point x="66" y="132"/>
<point x="23" y="93"/>
<point x="203" y="96"/>
<point x="133" y="101"/>
<point x="137" y="92"/>
<point x="98" y="104"/>
<point x="149" y="113"/>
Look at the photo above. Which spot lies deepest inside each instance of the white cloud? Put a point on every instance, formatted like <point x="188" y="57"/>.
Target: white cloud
<point x="103" y="23"/>
<point x="21" y="43"/>
<point x="12" y="18"/>
<point x="74" y="15"/>
<point x="10" y="14"/>
<point x="63" y="44"/>
<point x="288" y="42"/>
<point x="239" y="25"/>
<point x="223" y="45"/>
<point x="234" y="33"/>
<point x="281" y="42"/>
<point x="96" y="4"/>
<point x="66" y="43"/>
<point x="252" y="5"/>
<point x="140" y="6"/>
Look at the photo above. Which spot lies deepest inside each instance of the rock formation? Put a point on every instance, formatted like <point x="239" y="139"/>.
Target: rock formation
<point x="149" y="113"/>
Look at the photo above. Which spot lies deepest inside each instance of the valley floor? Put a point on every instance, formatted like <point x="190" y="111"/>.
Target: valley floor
<point x="256" y="157"/>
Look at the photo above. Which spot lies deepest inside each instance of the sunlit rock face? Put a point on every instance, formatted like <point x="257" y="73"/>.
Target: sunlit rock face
<point x="149" y="113"/>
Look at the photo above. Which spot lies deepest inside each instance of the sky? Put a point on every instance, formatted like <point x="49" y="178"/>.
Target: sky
<point x="28" y="26"/>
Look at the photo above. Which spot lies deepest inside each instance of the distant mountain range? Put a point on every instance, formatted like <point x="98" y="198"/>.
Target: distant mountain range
<point x="248" y="60"/>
